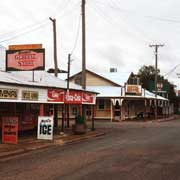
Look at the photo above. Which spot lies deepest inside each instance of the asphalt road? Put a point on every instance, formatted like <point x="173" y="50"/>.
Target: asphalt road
<point x="129" y="151"/>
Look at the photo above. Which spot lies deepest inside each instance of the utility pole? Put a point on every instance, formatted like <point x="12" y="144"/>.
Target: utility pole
<point x="68" y="74"/>
<point x="83" y="45"/>
<point x="83" y="53"/>
<point x="55" y="47"/>
<point x="55" y="70"/>
<point x="156" y="46"/>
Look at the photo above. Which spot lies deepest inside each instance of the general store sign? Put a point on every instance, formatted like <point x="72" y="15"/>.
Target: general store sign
<point x="25" y="60"/>
<point x="45" y="127"/>
<point x="71" y="97"/>
<point x="10" y="130"/>
<point x="30" y="95"/>
<point x="8" y="94"/>
<point x="133" y="89"/>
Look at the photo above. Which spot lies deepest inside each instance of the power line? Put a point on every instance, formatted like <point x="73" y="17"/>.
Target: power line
<point x="117" y="8"/>
<point x="172" y="70"/>
<point x="33" y="27"/>
<point x="18" y="35"/>
<point x="77" y="35"/>
<point x="112" y="21"/>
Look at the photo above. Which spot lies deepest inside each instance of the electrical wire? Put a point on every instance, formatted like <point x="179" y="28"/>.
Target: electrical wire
<point x="33" y="27"/>
<point x="172" y="70"/>
<point x="77" y="35"/>
<point x="130" y="12"/>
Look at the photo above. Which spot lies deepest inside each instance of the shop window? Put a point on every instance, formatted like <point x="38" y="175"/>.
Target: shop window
<point x="101" y="105"/>
<point x="117" y="106"/>
<point x="88" y="112"/>
<point x="78" y="80"/>
<point x="74" y="111"/>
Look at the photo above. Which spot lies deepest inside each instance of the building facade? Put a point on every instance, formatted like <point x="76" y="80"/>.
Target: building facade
<point x="121" y="96"/>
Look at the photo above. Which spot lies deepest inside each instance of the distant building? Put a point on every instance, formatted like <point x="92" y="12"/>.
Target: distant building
<point x="120" y="96"/>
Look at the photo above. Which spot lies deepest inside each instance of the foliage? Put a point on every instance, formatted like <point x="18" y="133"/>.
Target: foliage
<point x="79" y="119"/>
<point x="147" y="76"/>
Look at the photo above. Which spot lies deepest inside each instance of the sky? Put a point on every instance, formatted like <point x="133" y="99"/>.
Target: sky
<point x="118" y="32"/>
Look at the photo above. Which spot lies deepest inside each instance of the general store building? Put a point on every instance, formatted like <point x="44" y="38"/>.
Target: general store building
<point x="28" y="97"/>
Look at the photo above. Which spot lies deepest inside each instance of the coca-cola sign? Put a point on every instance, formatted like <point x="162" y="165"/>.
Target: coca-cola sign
<point x="25" y="60"/>
<point x="71" y="97"/>
<point x="55" y="95"/>
<point x="88" y="98"/>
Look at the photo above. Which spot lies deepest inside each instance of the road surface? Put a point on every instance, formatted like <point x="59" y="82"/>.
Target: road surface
<point x="128" y="151"/>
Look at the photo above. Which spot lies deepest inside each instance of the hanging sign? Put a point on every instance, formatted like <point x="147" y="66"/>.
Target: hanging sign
<point x="10" y="130"/>
<point x="25" y="60"/>
<point x="45" y="127"/>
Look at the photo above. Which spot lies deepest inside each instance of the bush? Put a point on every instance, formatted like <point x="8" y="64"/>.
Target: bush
<point x="79" y="119"/>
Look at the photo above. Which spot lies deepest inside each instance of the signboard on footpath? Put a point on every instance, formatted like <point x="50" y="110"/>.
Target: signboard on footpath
<point x="25" y="60"/>
<point x="10" y="130"/>
<point x="45" y="127"/>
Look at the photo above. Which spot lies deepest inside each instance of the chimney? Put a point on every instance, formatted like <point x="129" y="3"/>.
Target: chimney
<point x="112" y="70"/>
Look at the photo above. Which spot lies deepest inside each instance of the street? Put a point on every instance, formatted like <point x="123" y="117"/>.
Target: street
<point x="128" y="151"/>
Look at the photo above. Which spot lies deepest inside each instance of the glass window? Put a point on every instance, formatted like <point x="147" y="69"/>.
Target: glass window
<point x="101" y="105"/>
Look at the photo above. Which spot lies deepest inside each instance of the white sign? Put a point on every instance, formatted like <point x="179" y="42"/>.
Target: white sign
<point x="45" y="127"/>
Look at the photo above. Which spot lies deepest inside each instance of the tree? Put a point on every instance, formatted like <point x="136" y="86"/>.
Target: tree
<point x="147" y="78"/>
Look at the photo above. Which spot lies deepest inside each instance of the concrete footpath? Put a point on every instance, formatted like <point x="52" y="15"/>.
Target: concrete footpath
<point x="27" y="144"/>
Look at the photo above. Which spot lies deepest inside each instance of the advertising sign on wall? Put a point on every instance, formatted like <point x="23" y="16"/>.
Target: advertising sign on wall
<point x="8" y="94"/>
<point x="45" y="127"/>
<point x="55" y="95"/>
<point x="73" y="97"/>
<point x="10" y="130"/>
<point x="88" y="98"/>
<point x="134" y="90"/>
<point x="30" y="95"/>
<point x="25" y="60"/>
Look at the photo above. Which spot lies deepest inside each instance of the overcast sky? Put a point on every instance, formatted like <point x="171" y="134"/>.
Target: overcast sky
<point x="118" y="32"/>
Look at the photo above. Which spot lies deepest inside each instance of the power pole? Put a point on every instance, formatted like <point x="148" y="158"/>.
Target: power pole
<point x="68" y="74"/>
<point x="55" y="47"/>
<point x="55" y="69"/>
<point x="83" y="53"/>
<point x="83" y="45"/>
<point x="156" y="46"/>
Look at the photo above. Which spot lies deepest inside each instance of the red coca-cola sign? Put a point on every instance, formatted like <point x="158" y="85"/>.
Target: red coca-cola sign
<point x="73" y="97"/>
<point x="88" y="98"/>
<point x="70" y="97"/>
<point x="55" y="95"/>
